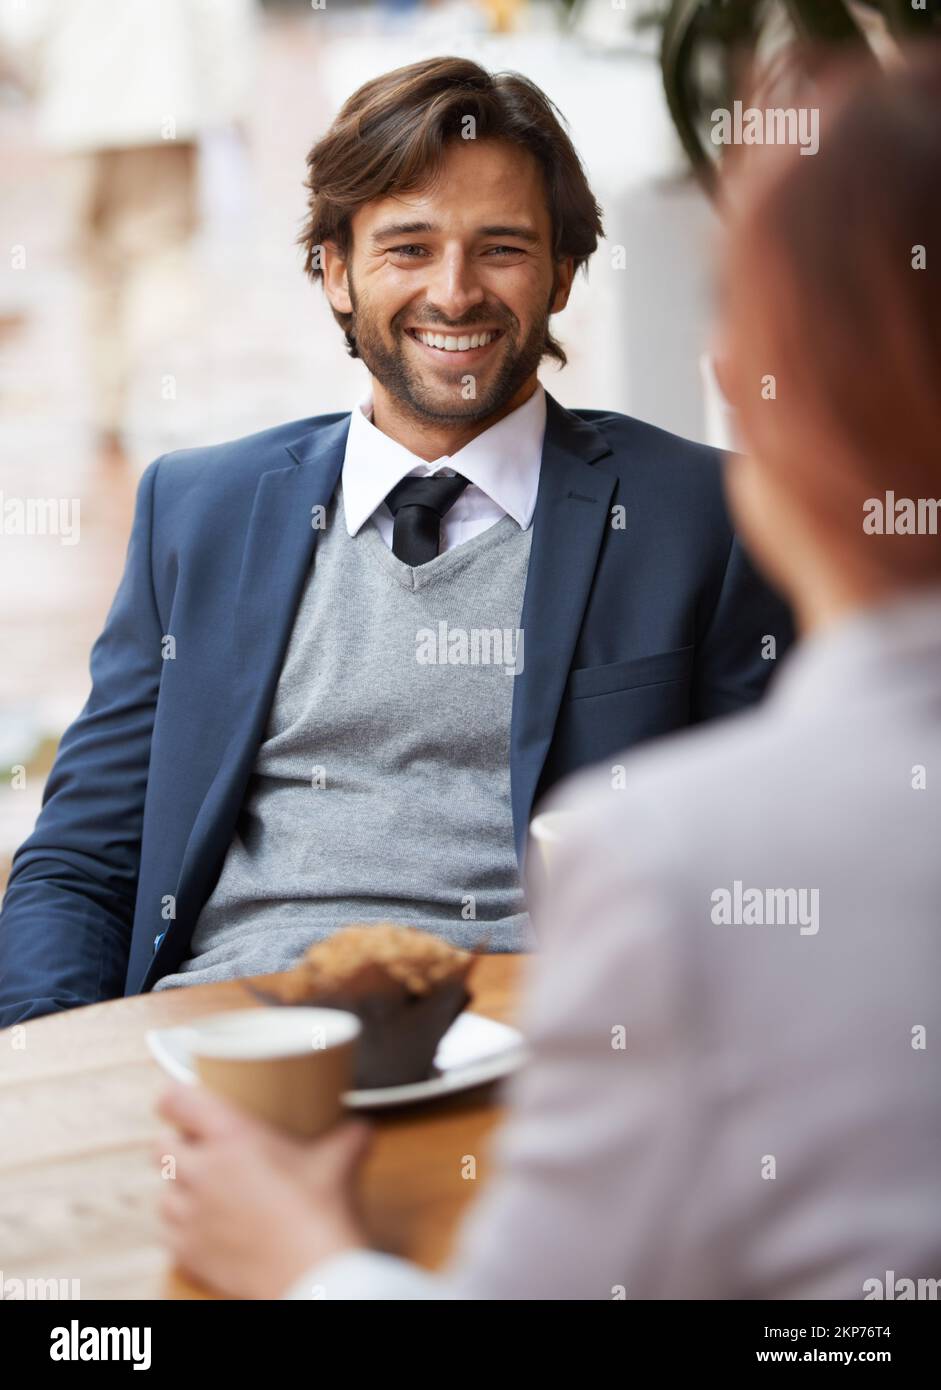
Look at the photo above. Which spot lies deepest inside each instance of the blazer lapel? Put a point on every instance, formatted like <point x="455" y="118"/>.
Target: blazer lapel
<point x="278" y="551"/>
<point x="572" y="510"/>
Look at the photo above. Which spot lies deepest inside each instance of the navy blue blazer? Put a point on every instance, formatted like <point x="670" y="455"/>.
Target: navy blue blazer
<point x="631" y="631"/>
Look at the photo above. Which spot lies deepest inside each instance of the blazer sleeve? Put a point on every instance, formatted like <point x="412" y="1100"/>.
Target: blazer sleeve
<point x="65" y="926"/>
<point x="733" y="661"/>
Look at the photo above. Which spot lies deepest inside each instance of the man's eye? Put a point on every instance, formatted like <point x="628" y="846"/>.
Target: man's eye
<point x="504" y="251"/>
<point x="407" y="250"/>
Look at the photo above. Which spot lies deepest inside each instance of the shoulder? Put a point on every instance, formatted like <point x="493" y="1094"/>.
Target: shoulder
<point x="669" y="472"/>
<point x="675" y="517"/>
<point x="630" y="438"/>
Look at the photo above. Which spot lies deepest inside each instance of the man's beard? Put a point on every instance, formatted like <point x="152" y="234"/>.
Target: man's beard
<point x="403" y="381"/>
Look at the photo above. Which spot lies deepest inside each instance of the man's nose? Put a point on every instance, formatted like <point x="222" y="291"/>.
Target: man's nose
<point x="454" y="287"/>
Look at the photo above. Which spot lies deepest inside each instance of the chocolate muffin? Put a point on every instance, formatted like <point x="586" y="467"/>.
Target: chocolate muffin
<point x="405" y="986"/>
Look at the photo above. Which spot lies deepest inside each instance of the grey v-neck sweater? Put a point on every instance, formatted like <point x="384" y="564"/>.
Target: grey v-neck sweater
<point x="381" y="790"/>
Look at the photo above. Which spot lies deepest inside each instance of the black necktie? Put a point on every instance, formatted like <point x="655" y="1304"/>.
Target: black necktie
<point x="418" y="504"/>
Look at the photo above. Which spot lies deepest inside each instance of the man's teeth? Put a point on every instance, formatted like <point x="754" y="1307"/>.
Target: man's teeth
<point x="450" y="344"/>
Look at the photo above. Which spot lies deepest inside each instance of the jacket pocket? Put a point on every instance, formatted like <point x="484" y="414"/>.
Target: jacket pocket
<point x="630" y="675"/>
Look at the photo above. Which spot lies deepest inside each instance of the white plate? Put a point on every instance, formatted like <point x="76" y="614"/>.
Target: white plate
<point x="474" y="1050"/>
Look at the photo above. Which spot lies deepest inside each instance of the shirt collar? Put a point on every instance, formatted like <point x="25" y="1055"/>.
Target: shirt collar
<point x="503" y="461"/>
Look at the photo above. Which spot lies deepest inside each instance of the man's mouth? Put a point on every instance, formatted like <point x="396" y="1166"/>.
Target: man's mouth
<point x="459" y="348"/>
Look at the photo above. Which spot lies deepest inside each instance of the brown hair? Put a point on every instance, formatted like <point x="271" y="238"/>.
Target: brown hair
<point x="390" y="137"/>
<point x="840" y="314"/>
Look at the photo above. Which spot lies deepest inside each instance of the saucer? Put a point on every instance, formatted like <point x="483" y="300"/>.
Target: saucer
<point x="473" y="1051"/>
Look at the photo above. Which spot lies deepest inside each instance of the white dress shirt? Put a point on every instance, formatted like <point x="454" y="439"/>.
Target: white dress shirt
<point x="502" y="465"/>
<point x="769" y="1128"/>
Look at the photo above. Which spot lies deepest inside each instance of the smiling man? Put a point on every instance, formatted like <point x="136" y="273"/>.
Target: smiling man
<point x="267" y="751"/>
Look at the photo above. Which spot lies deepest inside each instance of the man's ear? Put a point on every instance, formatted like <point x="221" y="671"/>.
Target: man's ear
<point x="335" y="283"/>
<point x="564" y="275"/>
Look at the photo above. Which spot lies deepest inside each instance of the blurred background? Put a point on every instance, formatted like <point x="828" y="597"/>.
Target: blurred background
<point x="151" y="293"/>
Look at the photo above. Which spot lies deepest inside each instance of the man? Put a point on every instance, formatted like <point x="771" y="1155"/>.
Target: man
<point x="733" y="1090"/>
<point x="349" y="653"/>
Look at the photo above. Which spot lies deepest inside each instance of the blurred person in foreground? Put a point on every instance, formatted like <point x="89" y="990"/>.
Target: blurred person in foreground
<point x="758" y="908"/>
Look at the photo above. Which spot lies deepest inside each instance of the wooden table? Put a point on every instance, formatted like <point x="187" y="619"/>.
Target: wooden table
<point x="78" y="1181"/>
